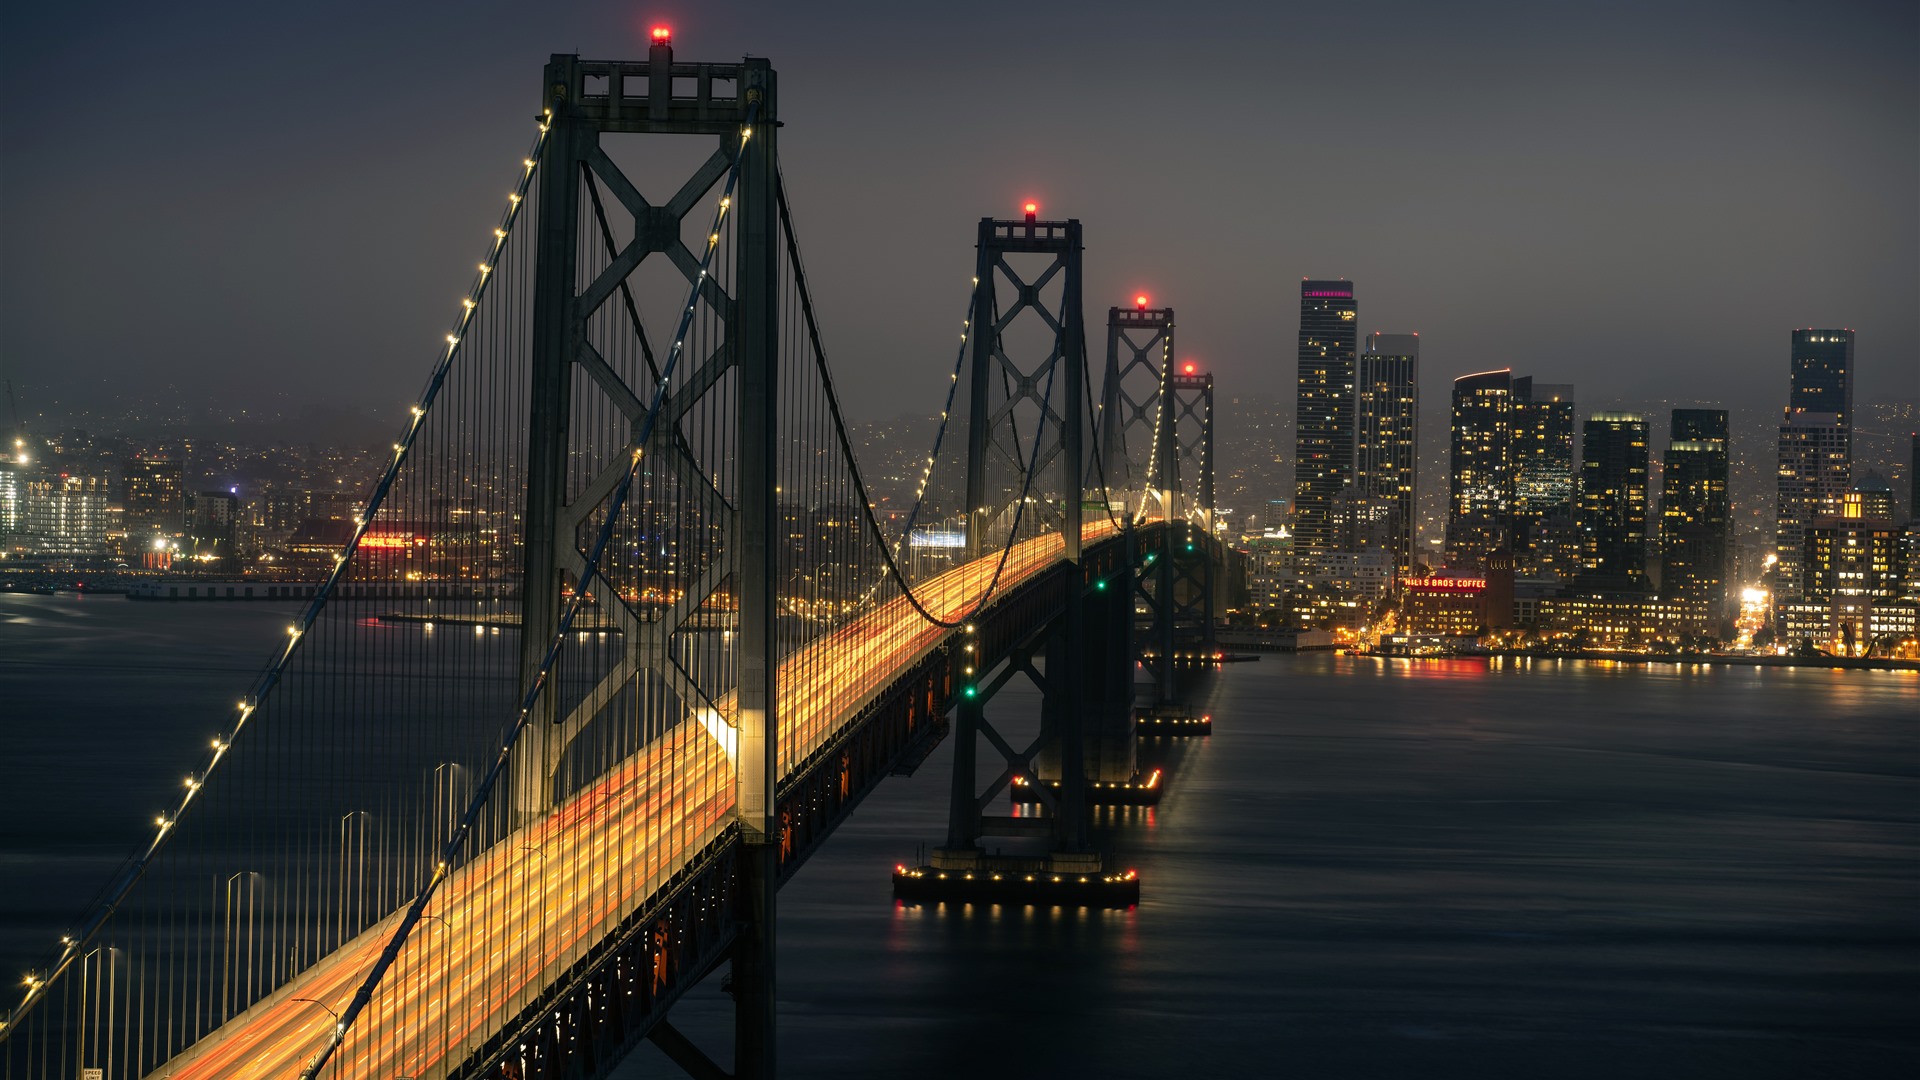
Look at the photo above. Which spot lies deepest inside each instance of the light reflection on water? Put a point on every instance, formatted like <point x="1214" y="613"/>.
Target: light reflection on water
<point x="1451" y="867"/>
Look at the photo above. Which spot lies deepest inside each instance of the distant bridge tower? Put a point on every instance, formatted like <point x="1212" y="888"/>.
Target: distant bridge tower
<point x="1026" y="383"/>
<point x="570" y="349"/>
<point x="1042" y="390"/>
<point x="1187" y="424"/>
<point x="1139" y="348"/>
<point x="1180" y="580"/>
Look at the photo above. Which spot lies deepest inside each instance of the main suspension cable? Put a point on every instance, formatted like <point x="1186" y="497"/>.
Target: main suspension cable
<point x="846" y="445"/>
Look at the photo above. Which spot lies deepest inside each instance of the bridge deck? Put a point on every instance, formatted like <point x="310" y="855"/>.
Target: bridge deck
<point x="511" y="921"/>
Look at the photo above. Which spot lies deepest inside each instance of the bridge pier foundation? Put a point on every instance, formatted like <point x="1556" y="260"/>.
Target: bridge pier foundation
<point x="1177" y="584"/>
<point x="1086" y="733"/>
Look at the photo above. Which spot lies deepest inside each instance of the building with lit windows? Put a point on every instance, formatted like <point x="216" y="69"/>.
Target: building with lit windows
<point x="1822" y="375"/>
<point x="1323" y="433"/>
<point x="1893" y="628"/>
<point x="211" y="521"/>
<point x="155" y="496"/>
<point x="1386" y="445"/>
<point x="1853" y="566"/>
<point x="1876" y="497"/>
<point x="65" y="514"/>
<point x="1269" y="568"/>
<point x="1613" y="620"/>
<point x="1540" y="447"/>
<point x="1480" y="493"/>
<point x="1814" y="470"/>
<point x="13" y="494"/>
<point x="1612" y="510"/>
<point x="1362" y="577"/>
<point x="1696" y="532"/>
<point x="1851" y="554"/>
<point x="1444" y="604"/>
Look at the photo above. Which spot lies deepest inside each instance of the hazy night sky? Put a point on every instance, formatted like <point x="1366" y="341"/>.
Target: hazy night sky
<point x="246" y="199"/>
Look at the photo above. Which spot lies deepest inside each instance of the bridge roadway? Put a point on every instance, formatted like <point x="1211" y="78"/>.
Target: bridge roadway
<point x="509" y="923"/>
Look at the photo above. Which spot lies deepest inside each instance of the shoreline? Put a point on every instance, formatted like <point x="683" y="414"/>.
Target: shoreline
<point x="1848" y="663"/>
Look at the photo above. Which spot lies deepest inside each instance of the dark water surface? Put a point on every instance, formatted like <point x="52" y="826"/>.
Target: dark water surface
<point x="1405" y="868"/>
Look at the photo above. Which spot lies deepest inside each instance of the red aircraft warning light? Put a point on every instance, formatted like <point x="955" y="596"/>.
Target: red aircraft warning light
<point x="1189" y="368"/>
<point x="1032" y="208"/>
<point x="663" y="35"/>
<point x="1140" y="301"/>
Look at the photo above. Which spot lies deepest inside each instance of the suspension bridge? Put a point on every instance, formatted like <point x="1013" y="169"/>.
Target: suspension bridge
<point x="621" y="634"/>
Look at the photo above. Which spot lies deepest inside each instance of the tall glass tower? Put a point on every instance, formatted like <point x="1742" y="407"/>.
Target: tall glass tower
<point x="1323" y="412"/>
<point x="1823" y="373"/>
<point x="1385" y="450"/>
<point x="1696" y="539"/>
<point x="1816" y="445"/>
<point x="1480" y="495"/>
<point x="1815" y="467"/>
<point x="1612" y="514"/>
<point x="1542" y="453"/>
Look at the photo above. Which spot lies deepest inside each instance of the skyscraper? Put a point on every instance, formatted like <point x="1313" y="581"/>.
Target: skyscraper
<point x="1822" y="374"/>
<point x="155" y="496"/>
<point x="12" y="501"/>
<point x="1480" y="500"/>
<point x="1542" y="460"/>
<point x="1323" y="412"/>
<point x="1612" y="512"/>
<point x="1814" y="467"/>
<point x="1852" y="553"/>
<point x="1385" y="452"/>
<point x="66" y="514"/>
<point x="1696" y="537"/>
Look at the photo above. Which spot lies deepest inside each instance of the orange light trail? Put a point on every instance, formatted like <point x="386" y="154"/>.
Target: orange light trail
<point x="460" y="978"/>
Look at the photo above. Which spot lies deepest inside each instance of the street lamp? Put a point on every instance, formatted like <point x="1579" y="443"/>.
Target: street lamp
<point x="339" y="1030"/>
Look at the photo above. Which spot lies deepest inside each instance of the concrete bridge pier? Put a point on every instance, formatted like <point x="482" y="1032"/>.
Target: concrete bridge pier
<point x="1081" y="659"/>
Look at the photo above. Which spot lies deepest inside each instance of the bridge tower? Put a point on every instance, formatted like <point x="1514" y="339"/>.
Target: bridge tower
<point x="1025" y="457"/>
<point x="1177" y="581"/>
<point x="1131" y="408"/>
<point x="1047" y="385"/>
<point x="736" y="105"/>
<point x="1180" y="584"/>
<point x="1156" y="423"/>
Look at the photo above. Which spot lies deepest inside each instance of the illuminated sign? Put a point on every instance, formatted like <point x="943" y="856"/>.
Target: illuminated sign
<point x="938" y="538"/>
<point x="389" y="540"/>
<point x="1445" y="584"/>
<point x="1328" y="294"/>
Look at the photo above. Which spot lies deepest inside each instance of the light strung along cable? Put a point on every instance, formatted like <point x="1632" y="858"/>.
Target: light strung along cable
<point x="946" y="410"/>
<point x="1153" y="452"/>
<point x="75" y="945"/>
<point x="451" y="851"/>
<point x="853" y="466"/>
<point x="889" y="568"/>
<point x="1099" y="465"/>
<point x="939" y="438"/>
